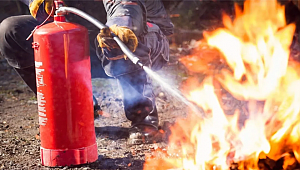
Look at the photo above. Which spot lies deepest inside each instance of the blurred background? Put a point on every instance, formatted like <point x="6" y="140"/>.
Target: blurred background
<point x="190" y="17"/>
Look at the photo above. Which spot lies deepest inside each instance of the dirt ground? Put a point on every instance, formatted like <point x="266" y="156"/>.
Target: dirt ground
<point x="19" y="128"/>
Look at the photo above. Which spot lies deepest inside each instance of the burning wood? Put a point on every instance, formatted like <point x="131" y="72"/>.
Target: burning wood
<point x="249" y="58"/>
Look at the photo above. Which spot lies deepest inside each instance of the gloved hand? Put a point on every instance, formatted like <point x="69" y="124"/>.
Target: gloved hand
<point x="125" y="34"/>
<point x="35" y="5"/>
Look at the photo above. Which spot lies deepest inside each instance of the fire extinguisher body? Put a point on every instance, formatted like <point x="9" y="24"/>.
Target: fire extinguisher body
<point x="64" y="93"/>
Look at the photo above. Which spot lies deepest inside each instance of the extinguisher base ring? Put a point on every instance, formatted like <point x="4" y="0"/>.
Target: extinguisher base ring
<point x="68" y="157"/>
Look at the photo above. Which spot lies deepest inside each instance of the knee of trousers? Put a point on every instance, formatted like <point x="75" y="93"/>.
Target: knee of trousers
<point x="6" y="30"/>
<point x="13" y="44"/>
<point x="116" y="68"/>
<point x="122" y="66"/>
<point x="7" y="25"/>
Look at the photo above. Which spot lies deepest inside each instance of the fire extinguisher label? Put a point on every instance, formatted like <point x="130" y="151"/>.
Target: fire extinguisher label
<point x="40" y="96"/>
<point x="39" y="74"/>
<point x="42" y="108"/>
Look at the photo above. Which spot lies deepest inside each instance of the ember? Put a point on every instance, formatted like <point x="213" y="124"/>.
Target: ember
<point x="249" y="59"/>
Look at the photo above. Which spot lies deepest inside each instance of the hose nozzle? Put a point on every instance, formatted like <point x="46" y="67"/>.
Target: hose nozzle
<point x="140" y="64"/>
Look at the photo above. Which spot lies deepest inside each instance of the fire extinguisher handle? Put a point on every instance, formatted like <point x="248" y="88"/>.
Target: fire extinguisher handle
<point x="124" y="48"/>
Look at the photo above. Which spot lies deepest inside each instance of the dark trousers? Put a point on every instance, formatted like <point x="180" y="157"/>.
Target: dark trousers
<point x="138" y="98"/>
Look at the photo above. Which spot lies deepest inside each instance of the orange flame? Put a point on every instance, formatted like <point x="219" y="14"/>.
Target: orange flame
<point x="249" y="58"/>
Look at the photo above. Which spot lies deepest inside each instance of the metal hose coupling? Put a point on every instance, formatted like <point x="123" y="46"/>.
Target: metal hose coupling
<point x="58" y="4"/>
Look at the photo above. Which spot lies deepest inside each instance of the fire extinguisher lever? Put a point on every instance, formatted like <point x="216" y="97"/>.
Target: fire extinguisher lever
<point x="124" y="48"/>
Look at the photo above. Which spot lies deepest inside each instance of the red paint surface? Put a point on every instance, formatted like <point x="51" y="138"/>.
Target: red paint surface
<point x="149" y="24"/>
<point x="64" y="93"/>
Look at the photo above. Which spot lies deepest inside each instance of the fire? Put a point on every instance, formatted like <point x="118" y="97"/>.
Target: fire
<point x="249" y="58"/>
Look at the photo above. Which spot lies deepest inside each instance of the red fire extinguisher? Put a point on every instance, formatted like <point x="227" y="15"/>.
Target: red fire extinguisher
<point x="64" y="93"/>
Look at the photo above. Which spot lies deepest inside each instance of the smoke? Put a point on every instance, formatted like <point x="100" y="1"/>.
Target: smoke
<point x="171" y="89"/>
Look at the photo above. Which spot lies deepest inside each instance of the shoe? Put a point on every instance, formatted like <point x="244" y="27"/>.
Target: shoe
<point x="146" y="131"/>
<point x="144" y="134"/>
<point x="96" y="107"/>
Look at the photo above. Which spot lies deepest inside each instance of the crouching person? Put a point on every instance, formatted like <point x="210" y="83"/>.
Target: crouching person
<point x="143" y="26"/>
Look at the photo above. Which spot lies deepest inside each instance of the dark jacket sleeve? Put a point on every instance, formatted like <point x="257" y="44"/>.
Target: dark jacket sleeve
<point x="129" y="13"/>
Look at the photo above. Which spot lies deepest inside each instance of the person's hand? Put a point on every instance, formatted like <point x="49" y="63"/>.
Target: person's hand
<point x="125" y="34"/>
<point x="48" y="7"/>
